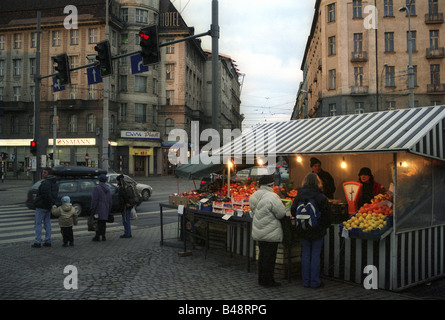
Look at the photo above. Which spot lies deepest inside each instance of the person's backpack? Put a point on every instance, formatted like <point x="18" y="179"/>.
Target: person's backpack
<point x="132" y="194"/>
<point x="307" y="215"/>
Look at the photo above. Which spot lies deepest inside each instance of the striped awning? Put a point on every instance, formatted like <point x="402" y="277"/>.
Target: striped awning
<point x="417" y="130"/>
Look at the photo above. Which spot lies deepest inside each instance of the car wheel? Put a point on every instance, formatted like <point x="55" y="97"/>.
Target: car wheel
<point x="145" y="194"/>
<point x="78" y="208"/>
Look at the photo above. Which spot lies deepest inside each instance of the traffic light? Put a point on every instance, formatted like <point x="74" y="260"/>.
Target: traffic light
<point x="104" y="58"/>
<point x="33" y="147"/>
<point x="63" y="69"/>
<point x="149" y="45"/>
<point x="51" y="156"/>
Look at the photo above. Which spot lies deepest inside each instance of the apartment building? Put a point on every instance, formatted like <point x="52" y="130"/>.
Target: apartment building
<point x="142" y="107"/>
<point x="356" y="58"/>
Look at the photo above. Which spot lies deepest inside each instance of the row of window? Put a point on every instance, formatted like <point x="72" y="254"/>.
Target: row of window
<point x="388" y="9"/>
<point x="390" y="76"/>
<point x="389" y="42"/>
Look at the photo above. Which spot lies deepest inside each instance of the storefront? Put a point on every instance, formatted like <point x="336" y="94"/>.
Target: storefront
<point x="139" y="153"/>
<point x="405" y="150"/>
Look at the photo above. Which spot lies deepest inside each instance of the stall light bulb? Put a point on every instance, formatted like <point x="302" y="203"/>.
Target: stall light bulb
<point x="260" y="162"/>
<point x="299" y="160"/>
<point x="343" y="164"/>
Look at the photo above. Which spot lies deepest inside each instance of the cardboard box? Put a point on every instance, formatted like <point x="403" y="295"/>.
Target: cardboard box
<point x="180" y="200"/>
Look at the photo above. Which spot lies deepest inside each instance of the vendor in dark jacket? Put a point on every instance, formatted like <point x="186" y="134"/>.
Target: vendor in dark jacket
<point x="326" y="178"/>
<point x="312" y="240"/>
<point x="370" y="187"/>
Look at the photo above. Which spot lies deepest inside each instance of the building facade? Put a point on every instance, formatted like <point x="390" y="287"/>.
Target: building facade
<point x="142" y="107"/>
<point x="356" y="57"/>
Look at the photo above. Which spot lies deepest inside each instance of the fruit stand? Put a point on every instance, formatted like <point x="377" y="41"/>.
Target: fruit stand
<point x="405" y="150"/>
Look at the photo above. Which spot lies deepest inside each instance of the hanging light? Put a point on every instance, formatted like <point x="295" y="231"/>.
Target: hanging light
<point x="343" y="164"/>
<point x="299" y="159"/>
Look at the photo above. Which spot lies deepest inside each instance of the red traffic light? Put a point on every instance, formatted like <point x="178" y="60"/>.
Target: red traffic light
<point x="33" y="144"/>
<point x="143" y="35"/>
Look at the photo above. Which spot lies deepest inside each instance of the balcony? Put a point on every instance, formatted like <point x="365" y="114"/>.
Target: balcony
<point x="435" y="53"/>
<point x="359" y="56"/>
<point x="433" y="18"/>
<point x="436" y="88"/>
<point x="359" y="90"/>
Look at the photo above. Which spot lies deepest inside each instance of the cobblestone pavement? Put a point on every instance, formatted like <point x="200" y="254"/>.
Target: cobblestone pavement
<point x="139" y="268"/>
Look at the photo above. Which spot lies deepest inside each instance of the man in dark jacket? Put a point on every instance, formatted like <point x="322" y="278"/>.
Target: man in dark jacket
<point x="101" y="205"/>
<point x="125" y="204"/>
<point x="326" y="178"/>
<point x="45" y="200"/>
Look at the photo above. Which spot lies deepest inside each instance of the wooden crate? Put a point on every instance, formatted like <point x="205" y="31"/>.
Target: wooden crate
<point x="282" y="262"/>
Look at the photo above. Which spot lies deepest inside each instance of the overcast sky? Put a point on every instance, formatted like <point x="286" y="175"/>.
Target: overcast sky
<point x="267" y="39"/>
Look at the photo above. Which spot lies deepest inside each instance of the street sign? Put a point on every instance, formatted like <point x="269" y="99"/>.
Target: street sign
<point x="136" y="64"/>
<point x="93" y="75"/>
<point x="56" y="85"/>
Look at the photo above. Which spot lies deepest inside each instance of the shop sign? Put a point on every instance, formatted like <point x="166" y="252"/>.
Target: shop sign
<point x="141" y="151"/>
<point x="74" y="142"/>
<point x="140" y="135"/>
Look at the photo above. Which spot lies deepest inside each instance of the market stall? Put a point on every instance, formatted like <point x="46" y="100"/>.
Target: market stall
<point x="405" y="149"/>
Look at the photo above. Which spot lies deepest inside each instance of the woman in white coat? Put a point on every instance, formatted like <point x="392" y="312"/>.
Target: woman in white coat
<point x="267" y="210"/>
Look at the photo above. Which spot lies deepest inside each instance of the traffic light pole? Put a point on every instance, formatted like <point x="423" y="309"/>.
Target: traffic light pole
<point x="37" y="79"/>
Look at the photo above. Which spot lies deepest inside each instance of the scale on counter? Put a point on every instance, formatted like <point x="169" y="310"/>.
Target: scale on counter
<point x="352" y="191"/>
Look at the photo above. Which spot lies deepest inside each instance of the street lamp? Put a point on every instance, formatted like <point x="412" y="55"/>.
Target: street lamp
<point x="410" y="52"/>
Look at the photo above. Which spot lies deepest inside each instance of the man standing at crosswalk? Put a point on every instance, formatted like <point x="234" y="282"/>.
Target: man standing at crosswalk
<point x="45" y="199"/>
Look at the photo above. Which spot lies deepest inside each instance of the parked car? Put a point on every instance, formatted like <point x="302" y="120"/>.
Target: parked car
<point x="79" y="189"/>
<point x="144" y="189"/>
<point x="252" y="174"/>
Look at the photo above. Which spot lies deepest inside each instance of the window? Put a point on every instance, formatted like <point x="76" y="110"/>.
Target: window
<point x="357" y="9"/>
<point x="412" y="8"/>
<point x="17" y="67"/>
<point x="170" y="71"/>
<point x="332" y="109"/>
<point x="435" y="74"/>
<point x="2" y="41"/>
<point x="359" y="107"/>
<point x="358" y="76"/>
<point x="31" y="124"/>
<point x="331" y="46"/>
<point x="390" y="74"/>
<point x="390" y="105"/>
<point x="123" y="112"/>
<point x="17" y="41"/>
<point x="92" y="92"/>
<point x="123" y="83"/>
<point x="92" y="35"/>
<point x="358" y="42"/>
<point x="91" y="123"/>
<point x="56" y="38"/>
<point x="51" y="123"/>
<point x="17" y="93"/>
<point x="141" y="16"/>
<point x="140" y="84"/>
<point x="74" y="90"/>
<point x="433" y="7"/>
<point x="389" y="41"/>
<point x="155" y="86"/>
<point x="332" y="79"/>
<point x="388" y="10"/>
<point x="124" y="14"/>
<point x="140" y="112"/>
<point x="72" y="123"/>
<point x="2" y="67"/>
<point x="413" y="40"/>
<point x="74" y="37"/>
<point x="170" y="95"/>
<point x="15" y="124"/>
<point x="169" y="125"/>
<point x="434" y="39"/>
<point x="154" y="113"/>
<point x="170" y="49"/>
<point x="331" y="12"/>
<point x="33" y="40"/>
<point x="112" y="123"/>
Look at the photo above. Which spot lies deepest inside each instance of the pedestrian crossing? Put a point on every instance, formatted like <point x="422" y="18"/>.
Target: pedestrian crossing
<point x="17" y="225"/>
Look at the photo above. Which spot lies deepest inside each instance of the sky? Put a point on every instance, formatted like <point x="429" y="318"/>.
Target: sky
<point x="267" y="40"/>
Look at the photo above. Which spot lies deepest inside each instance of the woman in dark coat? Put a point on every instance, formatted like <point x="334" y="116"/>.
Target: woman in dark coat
<point x="312" y="239"/>
<point x="101" y="205"/>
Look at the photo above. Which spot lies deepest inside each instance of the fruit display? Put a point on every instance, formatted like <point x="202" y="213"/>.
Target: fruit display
<point x="371" y="220"/>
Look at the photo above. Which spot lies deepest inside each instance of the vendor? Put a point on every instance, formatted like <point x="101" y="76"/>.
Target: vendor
<point x="325" y="177"/>
<point x="370" y="187"/>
